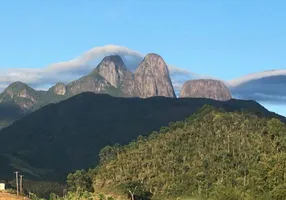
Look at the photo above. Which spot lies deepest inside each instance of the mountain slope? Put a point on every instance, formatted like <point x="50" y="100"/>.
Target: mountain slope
<point x="213" y="154"/>
<point x="16" y="101"/>
<point x="20" y="94"/>
<point x="62" y="137"/>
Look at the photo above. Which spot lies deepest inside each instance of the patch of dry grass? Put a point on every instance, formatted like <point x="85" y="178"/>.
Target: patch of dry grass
<point x="7" y="196"/>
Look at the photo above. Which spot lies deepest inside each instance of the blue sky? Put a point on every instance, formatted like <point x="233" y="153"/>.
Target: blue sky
<point x="224" y="39"/>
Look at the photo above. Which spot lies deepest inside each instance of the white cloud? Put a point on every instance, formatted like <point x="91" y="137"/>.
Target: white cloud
<point x="255" y="76"/>
<point x="268" y="86"/>
<point x="95" y="53"/>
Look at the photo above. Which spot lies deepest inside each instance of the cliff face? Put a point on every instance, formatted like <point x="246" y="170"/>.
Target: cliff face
<point x="113" y="69"/>
<point x="206" y="88"/>
<point x="152" y="78"/>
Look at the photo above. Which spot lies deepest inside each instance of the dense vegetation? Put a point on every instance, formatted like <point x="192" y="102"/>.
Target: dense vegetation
<point x="59" y="138"/>
<point x="212" y="155"/>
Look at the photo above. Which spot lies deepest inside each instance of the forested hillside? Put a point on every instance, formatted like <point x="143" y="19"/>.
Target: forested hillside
<point x="60" y="138"/>
<point x="211" y="155"/>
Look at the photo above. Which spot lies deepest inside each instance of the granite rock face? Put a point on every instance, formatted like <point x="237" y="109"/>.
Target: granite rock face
<point x="113" y="69"/>
<point x="152" y="78"/>
<point x="206" y="88"/>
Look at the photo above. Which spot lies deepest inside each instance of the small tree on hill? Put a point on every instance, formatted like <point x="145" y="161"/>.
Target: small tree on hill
<point x="136" y="191"/>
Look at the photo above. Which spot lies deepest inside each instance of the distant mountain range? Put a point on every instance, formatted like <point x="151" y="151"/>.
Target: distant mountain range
<point x="111" y="76"/>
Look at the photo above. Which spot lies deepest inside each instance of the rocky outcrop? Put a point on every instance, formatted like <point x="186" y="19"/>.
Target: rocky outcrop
<point x="90" y="83"/>
<point x="206" y="88"/>
<point x="113" y="69"/>
<point x="20" y="94"/>
<point x="152" y="78"/>
<point x="59" y="89"/>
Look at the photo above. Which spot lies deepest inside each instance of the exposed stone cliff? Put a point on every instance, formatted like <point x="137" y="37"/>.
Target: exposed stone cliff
<point x="206" y="88"/>
<point x="152" y="78"/>
<point x="113" y="69"/>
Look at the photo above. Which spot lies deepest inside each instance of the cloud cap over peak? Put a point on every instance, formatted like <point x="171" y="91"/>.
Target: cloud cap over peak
<point x="67" y="71"/>
<point x="267" y="86"/>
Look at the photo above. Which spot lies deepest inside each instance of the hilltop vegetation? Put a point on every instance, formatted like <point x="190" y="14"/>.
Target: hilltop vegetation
<point x="212" y="155"/>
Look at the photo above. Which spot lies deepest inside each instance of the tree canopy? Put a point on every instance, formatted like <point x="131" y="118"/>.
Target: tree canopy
<point x="212" y="153"/>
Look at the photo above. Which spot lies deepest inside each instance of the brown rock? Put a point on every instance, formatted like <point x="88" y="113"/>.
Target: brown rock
<point x="113" y="69"/>
<point x="206" y="88"/>
<point x="152" y="78"/>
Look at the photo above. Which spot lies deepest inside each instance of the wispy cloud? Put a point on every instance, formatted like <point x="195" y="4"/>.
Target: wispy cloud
<point x="68" y="70"/>
<point x="256" y="76"/>
<point x="268" y="86"/>
<point x="179" y="76"/>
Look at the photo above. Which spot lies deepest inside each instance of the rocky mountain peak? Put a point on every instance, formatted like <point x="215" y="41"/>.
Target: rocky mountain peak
<point x="152" y="78"/>
<point x="17" y="86"/>
<point x="59" y="89"/>
<point x="20" y="94"/>
<point x="116" y="59"/>
<point x="112" y="69"/>
<point x="206" y="88"/>
<point x="19" y="89"/>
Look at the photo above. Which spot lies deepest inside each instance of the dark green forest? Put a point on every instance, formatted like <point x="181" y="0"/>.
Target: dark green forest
<point x="212" y="154"/>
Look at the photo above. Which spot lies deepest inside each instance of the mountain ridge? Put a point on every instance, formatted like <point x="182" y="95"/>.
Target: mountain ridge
<point x="93" y="121"/>
<point x="110" y="76"/>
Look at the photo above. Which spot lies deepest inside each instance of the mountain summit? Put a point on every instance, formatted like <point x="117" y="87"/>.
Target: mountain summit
<point x="206" y="88"/>
<point x="20" y="94"/>
<point x="152" y="78"/>
<point x="113" y="69"/>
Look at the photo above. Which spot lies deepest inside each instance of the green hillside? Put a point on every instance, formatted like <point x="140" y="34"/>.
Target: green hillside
<point x="211" y="155"/>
